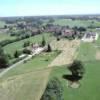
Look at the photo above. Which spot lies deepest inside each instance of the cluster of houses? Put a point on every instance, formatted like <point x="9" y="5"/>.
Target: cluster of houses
<point x="57" y="29"/>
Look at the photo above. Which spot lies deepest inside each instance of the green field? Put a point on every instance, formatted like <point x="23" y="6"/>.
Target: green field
<point x="72" y="23"/>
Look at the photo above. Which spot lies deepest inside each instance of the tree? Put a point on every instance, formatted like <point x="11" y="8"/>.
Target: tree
<point x="76" y="68"/>
<point x="49" y="48"/>
<point x="16" y="54"/>
<point x="43" y="43"/>
<point x="54" y="90"/>
<point x="3" y="59"/>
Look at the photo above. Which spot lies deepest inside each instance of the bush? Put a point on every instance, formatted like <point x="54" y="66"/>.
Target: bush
<point x="54" y="90"/>
<point x="26" y="51"/>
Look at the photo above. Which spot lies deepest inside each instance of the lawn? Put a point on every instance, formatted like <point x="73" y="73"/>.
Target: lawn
<point x="11" y="48"/>
<point x="36" y="63"/>
<point x="89" y="89"/>
<point x="72" y="23"/>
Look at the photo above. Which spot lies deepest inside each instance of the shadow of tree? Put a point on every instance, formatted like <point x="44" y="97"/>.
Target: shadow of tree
<point x="72" y="78"/>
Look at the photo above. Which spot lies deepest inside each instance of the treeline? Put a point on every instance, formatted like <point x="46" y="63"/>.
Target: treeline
<point x="6" y="42"/>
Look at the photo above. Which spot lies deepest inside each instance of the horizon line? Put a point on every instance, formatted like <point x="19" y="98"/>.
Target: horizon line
<point x="92" y="14"/>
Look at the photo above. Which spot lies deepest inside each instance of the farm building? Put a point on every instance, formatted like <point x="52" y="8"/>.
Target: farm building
<point x="67" y="32"/>
<point x="34" y="47"/>
<point x="90" y="37"/>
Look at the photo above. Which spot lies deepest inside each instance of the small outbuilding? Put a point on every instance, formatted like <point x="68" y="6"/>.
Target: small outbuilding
<point x="90" y="37"/>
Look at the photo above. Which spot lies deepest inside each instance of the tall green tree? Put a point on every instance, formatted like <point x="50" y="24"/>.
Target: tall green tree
<point x="49" y="48"/>
<point x="77" y="68"/>
<point x="16" y="54"/>
<point x="43" y="43"/>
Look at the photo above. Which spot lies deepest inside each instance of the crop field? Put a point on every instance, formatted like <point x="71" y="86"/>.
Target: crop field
<point x="68" y="51"/>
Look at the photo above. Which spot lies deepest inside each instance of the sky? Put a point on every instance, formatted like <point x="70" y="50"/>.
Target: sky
<point x="48" y="7"/>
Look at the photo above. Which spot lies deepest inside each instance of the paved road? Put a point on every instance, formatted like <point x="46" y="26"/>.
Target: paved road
<point x="38" y="51"/>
